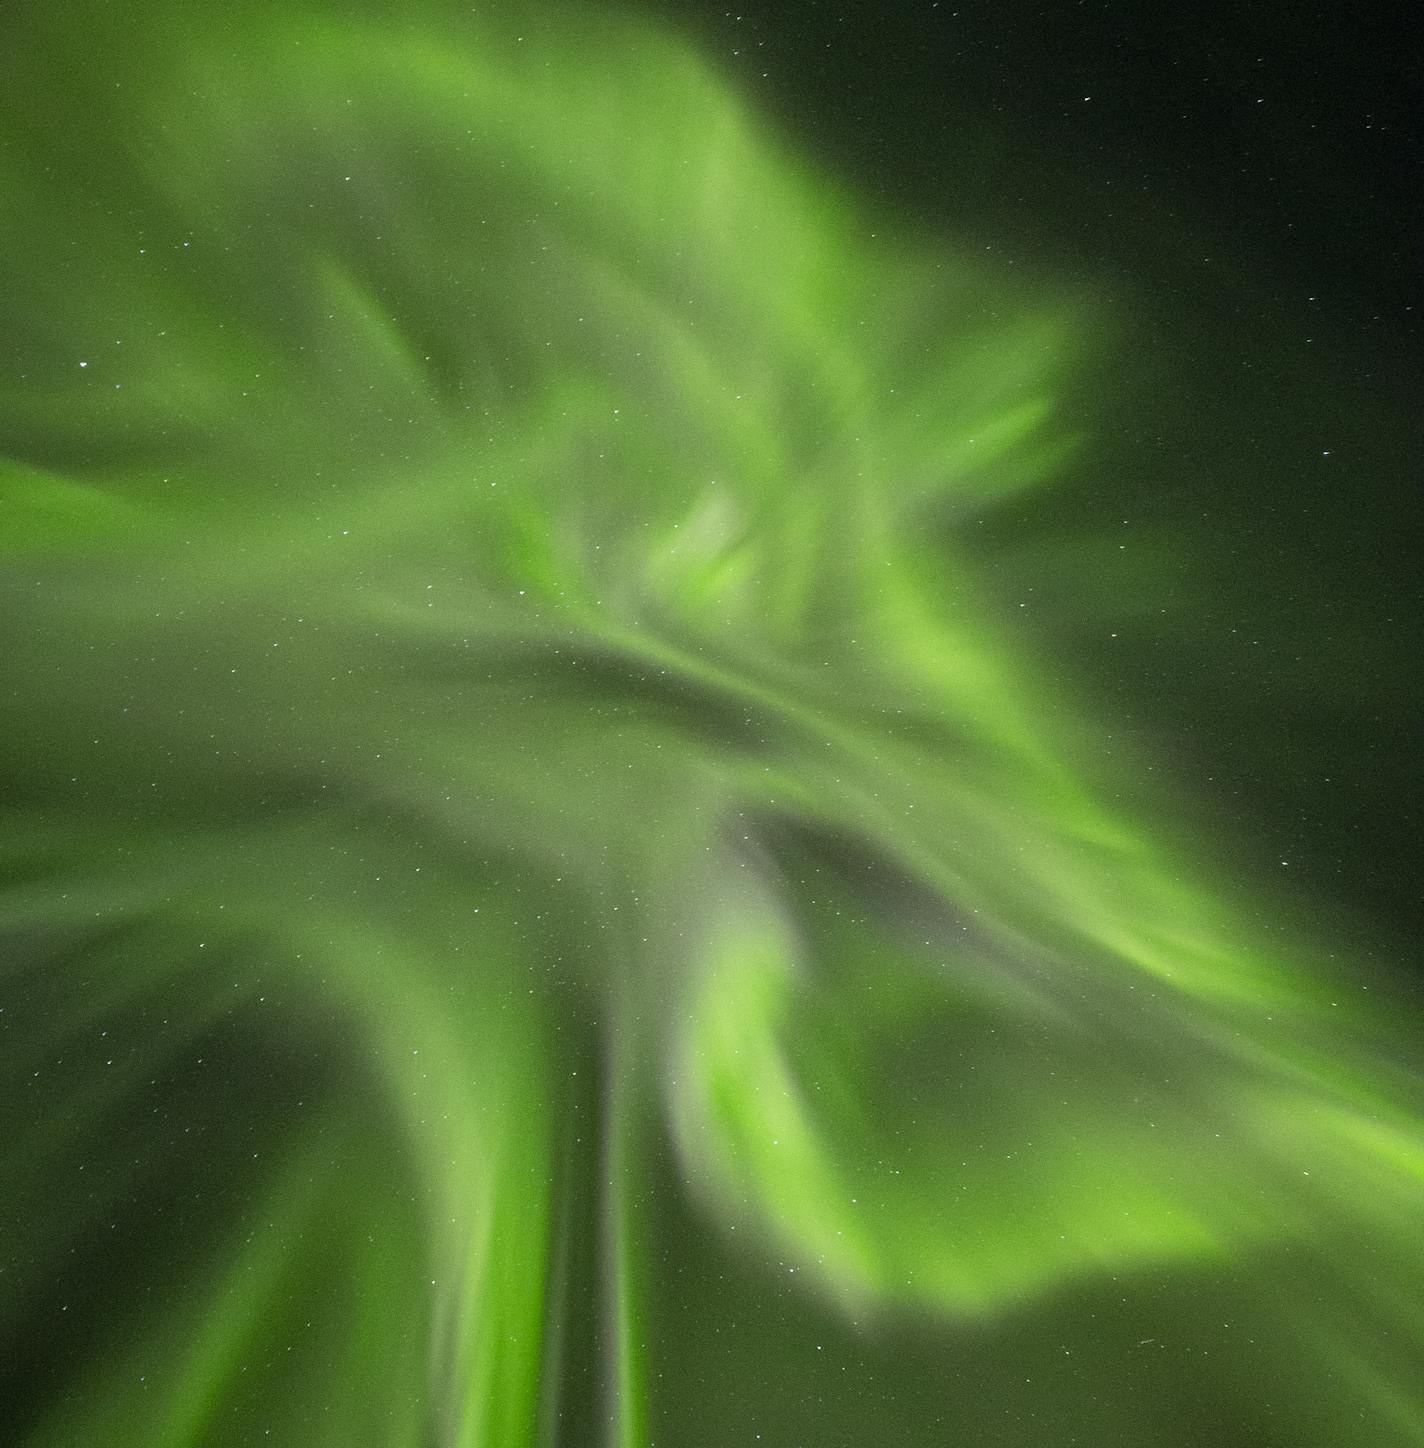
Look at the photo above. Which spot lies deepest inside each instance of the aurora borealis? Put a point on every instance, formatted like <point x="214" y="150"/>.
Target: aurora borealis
<point x="548" y="897"/>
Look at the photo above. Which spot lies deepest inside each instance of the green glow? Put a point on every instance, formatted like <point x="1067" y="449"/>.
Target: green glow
<point x="520" y="812"/>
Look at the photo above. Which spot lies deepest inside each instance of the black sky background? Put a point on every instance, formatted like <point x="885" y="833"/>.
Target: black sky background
<point x="1242" y="183"/>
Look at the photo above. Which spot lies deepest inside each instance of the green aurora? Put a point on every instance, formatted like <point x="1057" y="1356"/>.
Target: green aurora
<point x="543" y="903"/>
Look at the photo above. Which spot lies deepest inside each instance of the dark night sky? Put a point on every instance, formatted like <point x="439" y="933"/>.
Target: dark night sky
<point x="1241" y="182"/>
<point x="1291" y="132"/>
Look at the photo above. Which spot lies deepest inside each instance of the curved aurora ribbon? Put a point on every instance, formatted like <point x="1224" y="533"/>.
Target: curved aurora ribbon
<point x="539" y="908"/>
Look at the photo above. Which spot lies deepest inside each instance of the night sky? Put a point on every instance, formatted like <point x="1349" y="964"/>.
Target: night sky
<point x="708" y="726"/>
<point x="1243" y="183"/>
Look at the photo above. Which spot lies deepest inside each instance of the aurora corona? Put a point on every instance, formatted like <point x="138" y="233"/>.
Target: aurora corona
<point x="542" y="905"/>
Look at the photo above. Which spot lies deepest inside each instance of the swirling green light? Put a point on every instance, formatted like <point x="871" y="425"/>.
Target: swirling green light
<point x="520" y="813"/>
